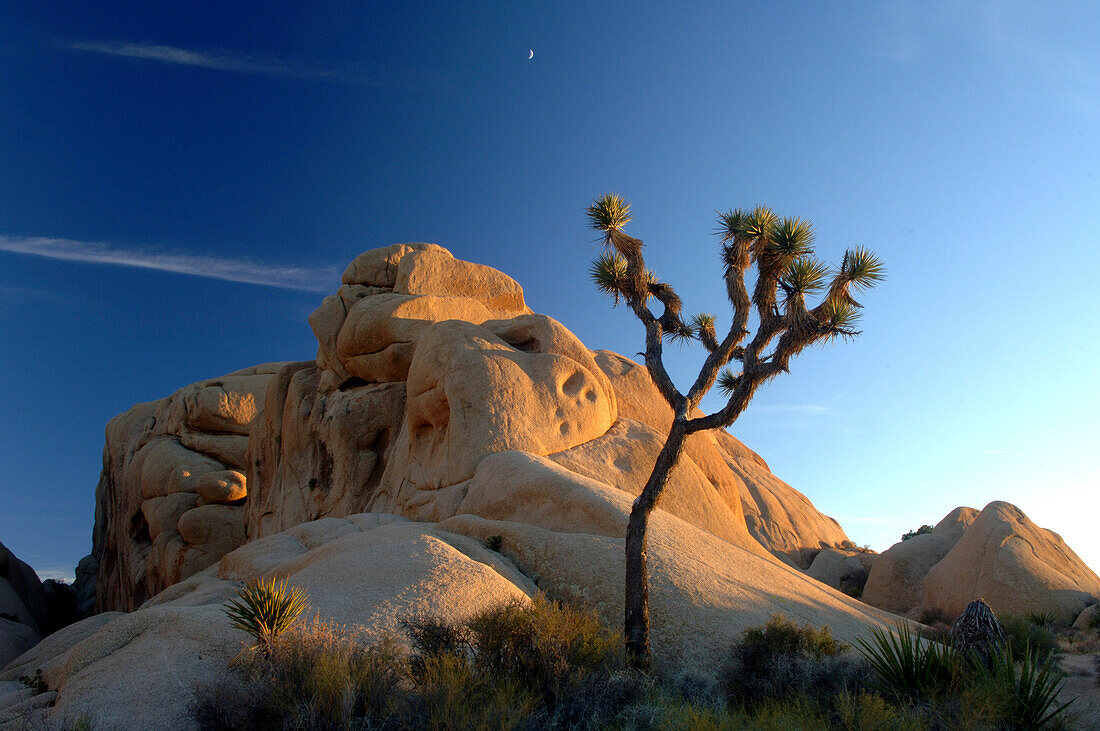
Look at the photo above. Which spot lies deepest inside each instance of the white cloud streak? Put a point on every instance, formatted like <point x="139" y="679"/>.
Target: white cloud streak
<point x="319" y="279"/>
<point x="245" y="64"/>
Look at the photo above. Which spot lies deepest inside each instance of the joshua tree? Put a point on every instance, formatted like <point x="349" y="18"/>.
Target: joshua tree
<point x="781" y="251"/>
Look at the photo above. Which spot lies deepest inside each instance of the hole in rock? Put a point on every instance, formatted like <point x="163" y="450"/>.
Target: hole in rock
<point x="353" y="382"/>
<point x="573" y="384"/>
<point x="139" y="529"/>
<point x="526" y="344"/>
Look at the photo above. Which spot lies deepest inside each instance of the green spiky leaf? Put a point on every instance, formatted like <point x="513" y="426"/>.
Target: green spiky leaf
<point x="680" y="335"/>
<point x="863" y="268"/>
<point x="703" y="322"/>
<point x="266" y="608"/>
<point x="760" y="222"/>
<point x="727" y="382"/>
<point x="791" y="238"/>
<point x="731" y="224"/>
<point x="804" y="276"/>
<point x="840" y="317"/>
<point x="610" y="212"/>
<point x="608" y="273"/>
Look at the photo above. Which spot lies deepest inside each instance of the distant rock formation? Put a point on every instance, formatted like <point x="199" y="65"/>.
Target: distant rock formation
<point x="425" y="366"/>
<point x="997" y="554"/>
<point x="23" y="607"/>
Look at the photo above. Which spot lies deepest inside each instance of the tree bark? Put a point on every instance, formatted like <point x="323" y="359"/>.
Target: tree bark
<point x="636" y="626"/>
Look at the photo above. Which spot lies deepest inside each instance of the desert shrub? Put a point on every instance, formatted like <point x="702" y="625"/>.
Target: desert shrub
<point x="313" y="676"/>
<point x="265" y="608"/>
<point x="1040" y="619"/>
<point x="918" y="532"/>
<point x="494" y="542"/>
<point x="433" y="636"/>
<point x="1022" y="636"/>
<point x="870" y="712"/>
<point x="782" y="659"/>
<point x="935" y="615"/>
<point x="616" y="699"/>
<point x="908" y="667"/>
<point x="544" y="645"/>
<point x="451" y="694"/>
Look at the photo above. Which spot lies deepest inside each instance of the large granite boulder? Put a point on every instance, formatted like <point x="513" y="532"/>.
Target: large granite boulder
<point x="998" y="555"/>
<point x="895" y="581"/>
<point x="1014" y="565"/>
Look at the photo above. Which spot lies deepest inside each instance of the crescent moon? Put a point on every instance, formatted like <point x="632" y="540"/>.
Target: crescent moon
<point x="531" y="56"/>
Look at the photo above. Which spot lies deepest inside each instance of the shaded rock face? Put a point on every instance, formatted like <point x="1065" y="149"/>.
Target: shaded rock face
<point x="998" y="555"/>
<point x="426" y="366"/>
<point x="24" y="607"/>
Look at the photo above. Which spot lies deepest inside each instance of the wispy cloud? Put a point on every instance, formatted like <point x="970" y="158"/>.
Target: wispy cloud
<point x="320" y="279"/>
<point x="240" y="63"/>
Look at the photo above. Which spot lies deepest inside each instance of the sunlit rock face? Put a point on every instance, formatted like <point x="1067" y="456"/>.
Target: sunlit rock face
<point x="997" y="554"/>
<point x="170" y="499"/>
<point x="426" y="365"/>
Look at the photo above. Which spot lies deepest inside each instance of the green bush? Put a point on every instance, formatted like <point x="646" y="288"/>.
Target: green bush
<point x="1040" y="618"/>
<point x="783" y="658"/>
<point x="544" y="645"/>
<point x="1024" y="635"/>
<point x="1031" y="690"/>
<point x="918" y="532"/>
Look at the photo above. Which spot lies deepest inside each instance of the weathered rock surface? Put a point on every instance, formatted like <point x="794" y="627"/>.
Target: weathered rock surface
<point x="998" y="555"/>
<point x="139" y="670"/>
<point x="426" y="365"/>
<point x="160" y="460"/>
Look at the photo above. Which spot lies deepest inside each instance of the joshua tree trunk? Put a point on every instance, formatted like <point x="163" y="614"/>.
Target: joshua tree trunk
<point x="637" y="575"/>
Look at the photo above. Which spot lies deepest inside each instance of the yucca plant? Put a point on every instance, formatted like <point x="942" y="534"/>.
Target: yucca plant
<point x="909" y="667"/>
<point x="265" y="609"/>
<point x="1033" y="688"/>
<point x="780" y="249"/>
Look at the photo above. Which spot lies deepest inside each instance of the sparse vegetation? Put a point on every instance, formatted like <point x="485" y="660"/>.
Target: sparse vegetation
<point x="543" y="665"/>
<point x="918" y="532"/>
<point x="1023" y="634"/>
<point x="35" y="682"/>
<point x="494" y="542"/>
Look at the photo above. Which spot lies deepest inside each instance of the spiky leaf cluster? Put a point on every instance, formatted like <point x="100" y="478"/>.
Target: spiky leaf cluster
<point x="610" y="212"/>
<point x="266" y="608"/>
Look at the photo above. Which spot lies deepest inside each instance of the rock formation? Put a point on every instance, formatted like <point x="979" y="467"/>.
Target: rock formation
<point x="23" y="607"/>
<point x="437" y="397"/>
<point x="170" y="498"/>
<point x="998" y="555"/>
<point x="425" y="365"/>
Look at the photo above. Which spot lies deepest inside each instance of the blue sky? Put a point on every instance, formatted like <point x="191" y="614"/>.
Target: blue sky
<point x="236" y="158"/>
